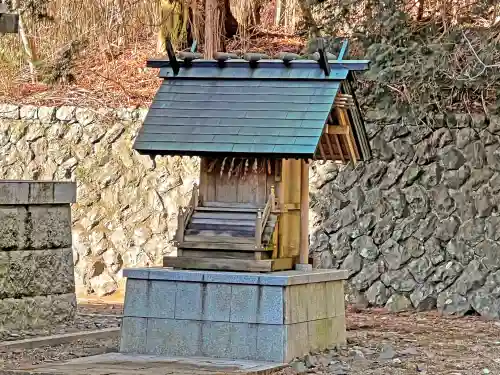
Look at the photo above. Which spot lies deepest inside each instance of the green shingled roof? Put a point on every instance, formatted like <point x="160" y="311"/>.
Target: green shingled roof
<point x="275" y="111"/>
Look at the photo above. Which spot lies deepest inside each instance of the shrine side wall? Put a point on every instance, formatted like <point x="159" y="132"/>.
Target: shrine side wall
<point x="37" y="286"/>
<point x="417" y="226"/>
<point x="126" y="210"/>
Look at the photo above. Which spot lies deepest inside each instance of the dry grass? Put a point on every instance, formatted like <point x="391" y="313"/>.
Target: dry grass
<point x="119" y="82"/>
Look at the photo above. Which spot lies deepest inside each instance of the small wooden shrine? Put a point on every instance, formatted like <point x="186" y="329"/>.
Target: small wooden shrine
<point x="9" y="23"/>
<point x="256" y="123"/>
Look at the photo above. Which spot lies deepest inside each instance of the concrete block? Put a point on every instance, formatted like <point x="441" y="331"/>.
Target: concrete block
<point x="217" y="302"/>
<point x="136" y="273"/>
<point x="64" y="192"/>
<point x="270" y="309"/>
<point x="13" y="228"/>
<point x="230" y="278"/>
<point x="243" y="341"/>
<point x="173" y="337"/>
<point x="297" y="340"/>
<point x="319" y="334"/>
<point x="188" y="301"/>
<point x="244" y="303"/>
<point x="338" y="332"/>
<point x="285" y="278"/>
<point x="50" y="227"/>
<point x="216" y="339"/>
<point x="161" y="299"/>
<point x="175" y="275"/>
<point x="339" y="294"/>
<point x="41" y="193"/>
<point x="296" y="301"/>
<point x="13" y="192"/>
<point x="335" y="303"/>
<point x="133" y="335"/>
<point x="271" y="340"/>
<point x="316" y="306"/>
<point x="136" y="298"/>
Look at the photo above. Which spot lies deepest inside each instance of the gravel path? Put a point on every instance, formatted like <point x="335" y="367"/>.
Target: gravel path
<point x="411" y="343"/>
<point x="378" y="344"/>
<point x="88" y="318"/>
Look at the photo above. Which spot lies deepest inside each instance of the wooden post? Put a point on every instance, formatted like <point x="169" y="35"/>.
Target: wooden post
<point x="304" y="213"/>
<point x="258" y="230"/>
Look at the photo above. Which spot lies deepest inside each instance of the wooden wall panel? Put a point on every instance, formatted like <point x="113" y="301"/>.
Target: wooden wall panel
<point x="253" y="188"/>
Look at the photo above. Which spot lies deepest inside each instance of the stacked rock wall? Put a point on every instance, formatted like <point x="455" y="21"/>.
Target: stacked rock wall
<point x="417" y="226"/>
<point x="37" y="286"/>
<point x="127" y="203"/>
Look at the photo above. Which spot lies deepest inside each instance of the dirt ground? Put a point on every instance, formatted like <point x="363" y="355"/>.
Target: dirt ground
<point x="379" y="343"/>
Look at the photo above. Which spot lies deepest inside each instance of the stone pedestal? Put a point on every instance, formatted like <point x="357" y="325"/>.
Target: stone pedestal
<point x="266" y="317"/>
<point x="37" y="286"/>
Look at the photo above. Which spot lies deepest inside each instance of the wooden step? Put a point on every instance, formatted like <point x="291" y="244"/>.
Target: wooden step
<point x="225" y="222"/>
<point x="221" y="264"/>
<point x="224" y="215"/>
<point x="225" y="209"/>
<point x="218" y="246"/>
<point x="218" y="238"/>
<point x="231" y="205"/>
<point x="219" y="232"/>
<point x="227" y="254"/>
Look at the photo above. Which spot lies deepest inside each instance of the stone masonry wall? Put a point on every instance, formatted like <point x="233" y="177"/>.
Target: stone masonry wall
<point x="418" y="226"/>
<point x="127" y="203"/>
<point x="37" y="285"/>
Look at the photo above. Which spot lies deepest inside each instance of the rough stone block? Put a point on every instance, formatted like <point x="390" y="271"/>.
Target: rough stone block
<point x="244" y="303"/>
<point x="28" y="112"/>
<point x="34" y="273"/>
<point x="133" y="335"/>
<point x="9" y="111"/>
<point x="50" y="227"/>
<point x="65" y="113"/>
<point x="173" y="337"/>
<point x="271" y="312"/>
<point x="191" y="296"/>
<point x="46" y="115"/>
<point x="13" y="192"/>
<point x="85" y="116"/>
<point x="36" y="312"/>
<point x="13" y="228"/>
<point x="217" y="302"/>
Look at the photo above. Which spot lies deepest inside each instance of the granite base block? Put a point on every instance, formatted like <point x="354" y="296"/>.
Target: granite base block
<point x="265" y="317"/>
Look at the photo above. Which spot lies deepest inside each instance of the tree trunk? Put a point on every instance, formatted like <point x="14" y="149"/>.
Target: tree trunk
<point x="213" y="26"/>
<point x="277" y="17"/>
<point x="28" y="45"/>
<point x="308" y="19"/>
<point x="219" y="24"/>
